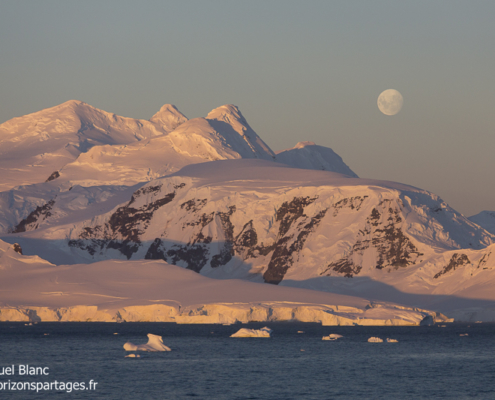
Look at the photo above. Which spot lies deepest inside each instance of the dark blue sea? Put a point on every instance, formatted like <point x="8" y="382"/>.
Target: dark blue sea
<point x="205" y="363"/>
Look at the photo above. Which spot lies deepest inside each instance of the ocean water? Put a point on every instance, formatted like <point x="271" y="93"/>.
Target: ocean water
<point x="205" y="363"/>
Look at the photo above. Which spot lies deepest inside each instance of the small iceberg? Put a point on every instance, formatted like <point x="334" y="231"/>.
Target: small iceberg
<point x="392" y="340"/>
<point x="332" y="336"/>
<point x="464" y="334"/>
<point x="244" y="332"/>
<point x="133" y="356"/>
<point x="375" y="340"/>
<point x="155" y="343"/>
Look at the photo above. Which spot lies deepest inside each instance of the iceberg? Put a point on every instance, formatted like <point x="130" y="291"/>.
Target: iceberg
<point x="375" y="340"/>
<point x="155" y="343"/>
<point x="133" y="356"/>
<point x="244" y="332"/>
<point x="392" y="340"/>
<point x="332" y="336"/>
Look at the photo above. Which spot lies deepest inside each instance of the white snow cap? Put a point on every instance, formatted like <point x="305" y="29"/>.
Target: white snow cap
<point x="169" y="117"/>
<point x="220" y="118"/>
<point x="308" y="155"/>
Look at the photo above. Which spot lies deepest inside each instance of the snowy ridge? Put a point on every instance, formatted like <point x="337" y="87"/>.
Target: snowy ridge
<point x="228" y="118"/>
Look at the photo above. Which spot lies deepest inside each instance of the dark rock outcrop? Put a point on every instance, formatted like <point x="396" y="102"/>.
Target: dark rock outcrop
<point x="31" y="222"/>
<point x="17" y="248"/>
<point x="456" y="261"/>
<point x="383" y="232"/>
<point x="53" y="176"/>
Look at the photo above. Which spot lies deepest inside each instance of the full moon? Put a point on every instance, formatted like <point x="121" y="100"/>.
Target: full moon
<point x="390" y="102"/>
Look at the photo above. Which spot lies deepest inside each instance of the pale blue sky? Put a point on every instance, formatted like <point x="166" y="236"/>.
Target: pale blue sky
<point x="297" y="70"/>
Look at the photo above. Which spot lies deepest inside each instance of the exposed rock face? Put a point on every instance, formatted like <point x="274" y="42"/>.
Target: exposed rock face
<point x="125" y="226"/>
<point x="287" y="245"/>
<point x="383" y="233"/>
<point x="32" y="221"/>
<point x="53" y="176"/>
<point x="17" y="248"/>
<point x="457" y="261"/>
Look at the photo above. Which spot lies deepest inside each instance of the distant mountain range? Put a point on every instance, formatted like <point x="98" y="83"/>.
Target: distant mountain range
<point x="80" y="185"/>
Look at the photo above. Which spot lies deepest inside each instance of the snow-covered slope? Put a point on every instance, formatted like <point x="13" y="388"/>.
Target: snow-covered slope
<point x="485" y="219"/>
<point x="32" y="289"/>
<point x="266" y="222"/>
<point x="34" y="146"/>
<point x="308" y="155"/>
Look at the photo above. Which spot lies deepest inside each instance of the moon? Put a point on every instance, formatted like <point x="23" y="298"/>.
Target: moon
<point x="390" y="102"/>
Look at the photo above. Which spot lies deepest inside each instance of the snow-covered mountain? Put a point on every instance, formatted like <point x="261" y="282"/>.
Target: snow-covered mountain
<point x="485" y="219"/>
<point x="82" y="145"/>
<point x="308" y="155"/>
<point x="35" y="146"/>
<point x="208" y="195"/>
<point x="265" y="222"/>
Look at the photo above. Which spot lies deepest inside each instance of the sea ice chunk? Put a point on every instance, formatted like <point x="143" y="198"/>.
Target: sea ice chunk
<point x="374" y="339"/>
<point x="155" y="343"/>
<point x="392" y="340"/>
<point x="332" y="336"/>
<point x="244" y="332"/>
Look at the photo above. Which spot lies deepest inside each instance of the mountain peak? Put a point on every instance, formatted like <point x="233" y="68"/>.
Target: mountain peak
<point x="226" y="113"/>
<point x="169" y="117"/>
<point x="308" y="155"/>
<point x="229" y="120"/>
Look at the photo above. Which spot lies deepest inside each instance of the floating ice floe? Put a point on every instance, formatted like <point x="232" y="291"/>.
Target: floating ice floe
<point x="133" y="356"/>
<point x="155" y="343"/>
<point x="244" y="332"/>
<point x="392" y="340"/>
<point x="300" y="331"/>
<point x="332" y="336"/>
<point x="464" y="334"/>
<point x="375" y="340"/>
